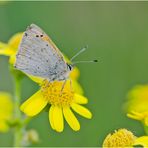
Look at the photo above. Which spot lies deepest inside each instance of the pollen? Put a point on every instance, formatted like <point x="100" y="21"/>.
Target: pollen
<point x="53" y="92"/>
<point x="121" y="138"/>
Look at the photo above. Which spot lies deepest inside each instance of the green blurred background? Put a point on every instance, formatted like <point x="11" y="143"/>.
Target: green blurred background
<point x="115" y="31"/>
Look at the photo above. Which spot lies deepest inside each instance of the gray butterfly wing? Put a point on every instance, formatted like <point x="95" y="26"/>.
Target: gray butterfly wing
<point x="38" y="56"/>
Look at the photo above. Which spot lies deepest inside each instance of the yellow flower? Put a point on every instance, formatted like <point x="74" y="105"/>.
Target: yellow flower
<point x="6" y="110"/>
<point x="137" y="104"/>
<point x="123" y="138"/>
<point x="141" y="141"/>
<point x="10" y="48"/>
<point x="141" y="116"/>
<point x="60" y="104"/>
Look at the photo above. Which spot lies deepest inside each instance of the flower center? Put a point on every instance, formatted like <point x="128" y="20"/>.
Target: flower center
<point x="121" y="138"/>
<point x="53" y="92"/>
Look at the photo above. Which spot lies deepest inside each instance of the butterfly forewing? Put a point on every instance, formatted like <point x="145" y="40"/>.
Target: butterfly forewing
<point x="38" y="55"/>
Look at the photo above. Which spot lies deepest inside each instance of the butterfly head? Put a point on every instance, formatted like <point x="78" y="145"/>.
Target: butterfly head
<point x="70" y="67"/>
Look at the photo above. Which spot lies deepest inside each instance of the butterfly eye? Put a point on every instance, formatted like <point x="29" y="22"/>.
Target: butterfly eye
<point x="69" y="66"/>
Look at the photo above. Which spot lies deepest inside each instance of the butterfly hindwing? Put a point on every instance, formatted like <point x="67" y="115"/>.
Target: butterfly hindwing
<point x="38" y="56"/>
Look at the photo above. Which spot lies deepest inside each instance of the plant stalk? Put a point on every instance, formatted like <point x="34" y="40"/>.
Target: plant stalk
<point x="17" y="113"/>
<point x="146" y="129"/>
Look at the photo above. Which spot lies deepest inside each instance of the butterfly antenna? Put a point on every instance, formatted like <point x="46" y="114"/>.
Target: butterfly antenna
<point x="82" y="50"/>
<point x="91" y="61"/>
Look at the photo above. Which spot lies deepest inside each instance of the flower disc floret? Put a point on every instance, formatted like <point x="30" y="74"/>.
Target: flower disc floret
<point x="55" y="95"/>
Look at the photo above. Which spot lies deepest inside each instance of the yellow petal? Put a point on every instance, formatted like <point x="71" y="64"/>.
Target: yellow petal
<point x="2" y="45"/>
<point x="56" y="117"/>
<point x="3" y="126"/>
<point x="12" y="59"/>
<point x="80" y="99"/>
<point x="7" y="51"/>
<point x="71" y="119"/>
<point x="51" y="116"/>
<point x="75" y="73"/>
<point x="146" y="121"/>
<point x="81" y="110"/>
<point x="15" y="40"/>
<point x="34" y="104"/>
<point x="142" y="141"/>
<point x="38" y="80"/>
<point x="6" y="105"/>
<point x="77" y="87"/>
<point x="135" y="115"/>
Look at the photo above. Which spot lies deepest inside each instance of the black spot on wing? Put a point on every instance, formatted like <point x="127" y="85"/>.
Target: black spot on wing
<point x="26" y="34"/>
<point x="39" y="35"/>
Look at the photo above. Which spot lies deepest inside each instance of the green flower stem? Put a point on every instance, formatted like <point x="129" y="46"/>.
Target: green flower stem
<point x="145" y="129"/>
<point x="20" y="121"/>
<point x="26" y="121"/>
<point x="18" y="129"/>
<point x="17" y="97"/>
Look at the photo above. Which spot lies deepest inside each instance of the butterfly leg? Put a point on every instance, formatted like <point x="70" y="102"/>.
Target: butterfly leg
<point x="71" y="88"/>
<point x="45" y="82"/>
<point x="63" y="87"/>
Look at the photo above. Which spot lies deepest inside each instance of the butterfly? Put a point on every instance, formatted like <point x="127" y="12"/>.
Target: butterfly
<point x="38" y="56"/>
